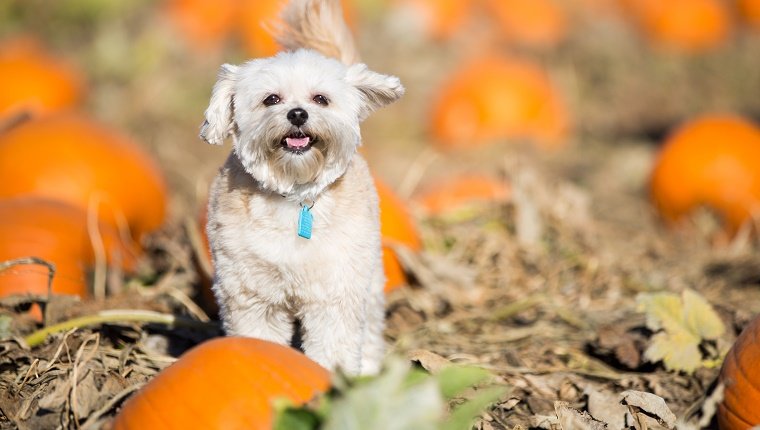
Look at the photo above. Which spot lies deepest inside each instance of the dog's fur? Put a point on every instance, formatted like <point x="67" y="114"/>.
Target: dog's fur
<point x="266" y="276"/>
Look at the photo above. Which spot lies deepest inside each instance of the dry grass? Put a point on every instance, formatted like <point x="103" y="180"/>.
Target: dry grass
<point x="541" y="289"/>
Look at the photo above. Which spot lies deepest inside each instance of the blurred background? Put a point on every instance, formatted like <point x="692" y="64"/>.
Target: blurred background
<point x="526" y="163"/>
<point x="570" y="75"/>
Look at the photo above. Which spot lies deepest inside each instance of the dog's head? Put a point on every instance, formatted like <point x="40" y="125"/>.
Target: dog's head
<point x="295" y="117"/>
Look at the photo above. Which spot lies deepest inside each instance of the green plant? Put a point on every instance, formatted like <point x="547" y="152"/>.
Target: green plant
<point x="401" y="397"/>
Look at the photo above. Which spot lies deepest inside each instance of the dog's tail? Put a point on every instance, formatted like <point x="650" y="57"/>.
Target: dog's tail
<point x="317" y="25"/>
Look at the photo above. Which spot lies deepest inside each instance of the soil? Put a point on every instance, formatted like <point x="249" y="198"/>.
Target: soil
<point x="542" y="289"/>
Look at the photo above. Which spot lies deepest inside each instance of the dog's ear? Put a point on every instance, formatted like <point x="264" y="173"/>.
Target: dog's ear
<point x="218" y="124"/>
<point x="377" y="90"/>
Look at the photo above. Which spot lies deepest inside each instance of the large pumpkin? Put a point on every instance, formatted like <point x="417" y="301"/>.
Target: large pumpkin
<point x="204" y="23"/>
<point x="686" y="25"/>
<point x="741" y="377"/>
<point x="57" y="233"/>
<point x="749" y="10"/>
<point x="75" y="160"/>
<point x="257" y="18"/>
<point x="31" y="80"/>
<point x="396" y="228"/>
<point x="493" y="98"/>
<point x="712" y="161"/>
<point x="204" y="261"/>
<point x="540" y="23"/>
<point x="226" y="383"/>
<point x="439" y="19"/>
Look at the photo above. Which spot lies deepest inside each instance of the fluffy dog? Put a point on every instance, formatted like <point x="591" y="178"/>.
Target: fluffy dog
<point x="293" y="213"/>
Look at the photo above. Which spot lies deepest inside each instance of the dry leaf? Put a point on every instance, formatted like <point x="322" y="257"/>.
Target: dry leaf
<point x="605" y="406"/>
<point x="570" y="419"/>
<point x="57" y="395"/>
<point x="616" y="339"/>
<point x="545" y="422"/>
<point x="429" y="360"/>
<point x="700" y="316"/>
<point x="650" y="404"/>
<point x="683" y="323"/>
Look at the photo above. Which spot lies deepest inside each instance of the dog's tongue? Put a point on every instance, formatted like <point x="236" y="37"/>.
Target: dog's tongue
<point x="297" y="142"/>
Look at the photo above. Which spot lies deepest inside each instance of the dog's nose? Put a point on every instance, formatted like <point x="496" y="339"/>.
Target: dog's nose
<point x="298" y="117"/>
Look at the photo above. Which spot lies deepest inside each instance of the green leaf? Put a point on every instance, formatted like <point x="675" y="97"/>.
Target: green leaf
<point x="296" y="419"/>
<point x="463" y="416"/>
<point x="401" y="397"/>
<point x="456" y="379"/>
<point x="388" y="402"/>
<point x="416" y="375"/>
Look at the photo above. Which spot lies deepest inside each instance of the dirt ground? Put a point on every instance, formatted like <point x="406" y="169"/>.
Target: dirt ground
<point x="542" y="290"/>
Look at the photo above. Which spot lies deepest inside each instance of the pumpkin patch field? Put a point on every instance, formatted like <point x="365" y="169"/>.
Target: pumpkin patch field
<point x="569" y="205"/>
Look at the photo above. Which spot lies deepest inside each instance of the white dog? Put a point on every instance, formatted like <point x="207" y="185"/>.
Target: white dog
<point x="293" y="214"/>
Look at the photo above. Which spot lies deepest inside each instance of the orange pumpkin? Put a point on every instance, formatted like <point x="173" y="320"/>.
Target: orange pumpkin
<point x="741" y="377"/>
<point x="75" y="160"/>
<point x="749" y="10"/>
<point x="493" y="98"/>
<point x="540" y="23"/>
<point x="712" y="161"/>
<point x="226" y="383"/>
<point x="396" y="228"/>
<point x="258" y="17"/>
<point x="31" y="80"/>
<point x="207" y="23"/>
<point x="596" y="8"/>
<point x="685" y="25"/>
<point x="462" y="191"/>
<point x="440" y="19"/>
<point x="204" y="23"/>
<point x="57" y="233"/>
<point x="207" y="295"/>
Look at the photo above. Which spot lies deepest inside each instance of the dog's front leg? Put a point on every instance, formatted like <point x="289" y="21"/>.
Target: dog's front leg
<point x="260" y="320"/>
<point x="373" y="344"/>
<point x="333" y="334"/>
<point x="245" y="314"/>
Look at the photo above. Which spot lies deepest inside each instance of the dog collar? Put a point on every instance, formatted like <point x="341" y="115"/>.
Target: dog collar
<point x="305" y="220"/>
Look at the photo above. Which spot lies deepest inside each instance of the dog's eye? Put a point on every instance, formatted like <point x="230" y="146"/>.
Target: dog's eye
<point x="321" y="100"/>
<point x="271" y="99"/>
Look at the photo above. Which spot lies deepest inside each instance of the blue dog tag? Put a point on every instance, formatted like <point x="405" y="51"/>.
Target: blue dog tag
<point x="304" y="222"/>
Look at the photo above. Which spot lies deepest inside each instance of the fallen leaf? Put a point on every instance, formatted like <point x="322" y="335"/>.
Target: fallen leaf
<point x="429" y="360"/>
<point x="651" y="405"/>
<point x="606" y="407"/>
<point x="622" y="343"/>
<point x="544" y="422"/>
<point x="58" y="393"/>
<point x="682" y="323"/>
<point x="700" y="316"/>
<point x="570" y="419"/>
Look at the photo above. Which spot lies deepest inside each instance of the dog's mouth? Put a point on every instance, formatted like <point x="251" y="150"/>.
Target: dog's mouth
<point x="297" y="142"/>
